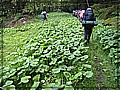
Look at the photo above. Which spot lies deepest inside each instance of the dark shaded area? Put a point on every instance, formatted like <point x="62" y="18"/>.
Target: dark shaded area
<point x="10" y="7"/>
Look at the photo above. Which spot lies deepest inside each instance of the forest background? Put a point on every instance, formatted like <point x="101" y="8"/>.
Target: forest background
<point x="12" y="10"/>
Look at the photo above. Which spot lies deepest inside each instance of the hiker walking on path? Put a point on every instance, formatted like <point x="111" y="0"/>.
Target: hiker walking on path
<point x="44" y="16"/>
<point x="88" y="24"/>
<point x="81" y="15"/>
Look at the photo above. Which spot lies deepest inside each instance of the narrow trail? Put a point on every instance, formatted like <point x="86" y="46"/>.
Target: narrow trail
<point x="102" y="68"/>
<point x="99" y="78"/>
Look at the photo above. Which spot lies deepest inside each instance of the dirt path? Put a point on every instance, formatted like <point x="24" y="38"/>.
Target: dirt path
<point x="99" y="77"/>
<point x="103" y="70"/>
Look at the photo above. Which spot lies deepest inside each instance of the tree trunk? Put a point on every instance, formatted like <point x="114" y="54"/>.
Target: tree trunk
<point x="87" y="3"/>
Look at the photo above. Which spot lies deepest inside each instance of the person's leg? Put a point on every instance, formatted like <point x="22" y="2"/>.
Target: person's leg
<point x="89" y="34"/>
<point x="85" y="33"/>
<point x="45" y="19"/>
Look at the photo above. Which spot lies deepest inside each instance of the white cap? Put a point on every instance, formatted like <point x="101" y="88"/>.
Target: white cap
<point x="89" y="9"/>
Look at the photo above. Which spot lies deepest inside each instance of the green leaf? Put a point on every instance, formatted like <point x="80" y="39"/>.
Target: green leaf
<point x="49" y="54"/>
<point x="57" y="70"/>
<point x="51" y="86"/>
<point x="66" y="74"/>
<point x="111" y="43"/>
<point x="67" y="52"/>
<point x="35" y="85"/>
<point x="71" y="57"/>
<point x="22" y="71"/>
<point x="117" y="61"/>
<point x="36" y="77"/>
<point x="76" y="43"/>
<point x="63" y="67"/>
<point x="41" y="49"/>
<point x="62" y="61"/>
<point x="89" y="74"/>
<point x="68" y="88"/>
<point x="25" y="79"/>
<point x="8" y="82"/>
<point x="11" y="87"/>
<point x="6" y="69"/>
<point x="106" y="47"/>
<point x="77" y="75"/>
<point x="33" y="63"/>
<point x="45" y="67"/>
<point x="68" y="83"/>
<point x="86" y="65"/>
<point x="54" y="60"/>
<point x="84" y="57"/>
<point x="47" y="89"/>
<point x="70" y="68"/>
<point x="77" y="53"/>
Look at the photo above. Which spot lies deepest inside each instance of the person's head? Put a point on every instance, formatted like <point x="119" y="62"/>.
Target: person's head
<point x="89" y="9"/>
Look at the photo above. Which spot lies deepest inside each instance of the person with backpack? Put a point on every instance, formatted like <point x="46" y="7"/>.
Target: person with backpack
<point x="88" y="22"/>
<point x="44" y="16"/>
<point x="81" y="15"/>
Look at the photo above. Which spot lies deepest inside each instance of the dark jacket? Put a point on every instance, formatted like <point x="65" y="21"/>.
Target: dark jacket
<point x="87" y="14"/>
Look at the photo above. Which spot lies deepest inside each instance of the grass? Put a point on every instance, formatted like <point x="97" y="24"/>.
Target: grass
<point x="14" y="40"/>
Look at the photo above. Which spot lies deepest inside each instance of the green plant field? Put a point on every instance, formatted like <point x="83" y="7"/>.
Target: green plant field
<point x="52" y="56"/>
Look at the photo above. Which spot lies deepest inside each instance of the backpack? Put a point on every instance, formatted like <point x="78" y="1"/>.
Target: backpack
<point x="89" y="19"/>
<point x="89" y="16"/>
<point x="42" y="16"/>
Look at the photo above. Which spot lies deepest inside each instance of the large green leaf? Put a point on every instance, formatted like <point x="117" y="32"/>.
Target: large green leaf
<point x="77" y="75"/>
<point x="25" y="79"/>
<point x="60" y="62"/>
<point x="89" y="74"/>
<point x="69" y="83"/>
<point x="84" y="57"/>
<point x="35" y="85"/>
<point x="67" y="74"/>
<point x="86" y="65"/>
<point x="57" y="70"/>
<point x="76" y="43"/>
<point x="36" y="77"/>
<point x="77" y="53"/>
<point x="10" y="87"/>
<point x="9" y="82"/>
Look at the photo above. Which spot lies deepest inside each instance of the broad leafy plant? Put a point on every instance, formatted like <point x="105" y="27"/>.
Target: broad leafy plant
<point x="55" y="57"/>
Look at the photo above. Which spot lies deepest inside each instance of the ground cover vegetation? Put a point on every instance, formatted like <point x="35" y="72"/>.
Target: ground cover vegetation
<point x="54" y="56"/>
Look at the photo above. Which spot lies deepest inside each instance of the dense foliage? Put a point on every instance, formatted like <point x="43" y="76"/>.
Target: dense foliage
<point x="55" y="57"/>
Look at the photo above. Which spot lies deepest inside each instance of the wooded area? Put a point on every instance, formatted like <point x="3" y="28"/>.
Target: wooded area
<point x="9" y="7"/>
